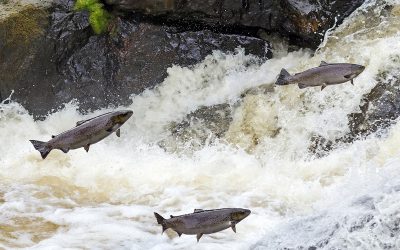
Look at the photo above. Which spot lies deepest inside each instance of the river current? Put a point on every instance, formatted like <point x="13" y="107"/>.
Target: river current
<point x="105" y="199"/>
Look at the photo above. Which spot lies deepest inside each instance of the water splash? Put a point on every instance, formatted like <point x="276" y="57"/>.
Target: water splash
<point x="106" y="198"/>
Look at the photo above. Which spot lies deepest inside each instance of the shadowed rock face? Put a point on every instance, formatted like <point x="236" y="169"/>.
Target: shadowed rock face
<point x="212" y="120"/>
<point x="50" y="56"/>
<point x="199" y="127"/>
<point x="62" y="60"/>
<point x="305" y="21"/>
<point x="379" y="109"/>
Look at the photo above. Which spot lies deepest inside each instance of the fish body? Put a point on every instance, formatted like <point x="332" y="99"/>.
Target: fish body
<point x="323" y="75"/>
<point x="204" y="221"/>
<point x="86" y="133"/>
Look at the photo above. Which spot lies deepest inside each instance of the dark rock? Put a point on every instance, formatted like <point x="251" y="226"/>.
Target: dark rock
<point x="379" y="107"/>
<point x="202" y="125"/>
<point x="320" y="146"/>
<point x="24" y="56"/>
<point x="359" y="223"/>
<point x="54" y="57"/>
<point x="304" y="21"/>
<point x="365" y="201"/>
<point x="217" y="118"/>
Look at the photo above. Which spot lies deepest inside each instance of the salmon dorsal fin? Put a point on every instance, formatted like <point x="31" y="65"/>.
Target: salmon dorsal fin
<point x="83" y="121"/>
<point x="78" y="123"/>
<point x="53" y="136"/>
<point x="323" y="63"/>
<point x="172" y="216"/>
<point x="198" y="210"/>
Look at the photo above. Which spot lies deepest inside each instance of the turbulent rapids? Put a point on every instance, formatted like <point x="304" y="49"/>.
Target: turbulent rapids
<point x="348" y="198"/>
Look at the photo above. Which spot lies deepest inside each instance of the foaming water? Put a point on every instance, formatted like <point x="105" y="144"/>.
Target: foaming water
<point x="105" y="199"/>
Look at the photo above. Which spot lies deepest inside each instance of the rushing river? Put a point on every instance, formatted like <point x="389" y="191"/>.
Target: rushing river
<point x="105" y="199"/>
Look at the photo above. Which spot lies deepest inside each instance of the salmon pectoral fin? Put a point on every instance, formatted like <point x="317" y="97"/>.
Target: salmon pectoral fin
<point x="352" y="82"/>
<point x="87" y="147"/>
<point x="348" y="76"/>
<point x="302" y="85"/>
<point x="199" y="236"/>
<point x="233" y="226"/>
<point x="118" y="132"/>
<point x="65" y="150"/>
<point x="323" y="86"/>
<point x="179" y="233"/>
<point x="112" y="129"/>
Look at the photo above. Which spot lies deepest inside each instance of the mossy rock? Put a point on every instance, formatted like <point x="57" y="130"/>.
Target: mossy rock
<point x="21" y="32"/>
<point x="24" y="26"/>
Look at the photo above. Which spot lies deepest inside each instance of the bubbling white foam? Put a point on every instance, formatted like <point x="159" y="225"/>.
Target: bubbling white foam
<point x="106" y="198"/>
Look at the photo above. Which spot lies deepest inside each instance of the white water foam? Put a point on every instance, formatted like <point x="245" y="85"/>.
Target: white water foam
<point x="105" y="199"/>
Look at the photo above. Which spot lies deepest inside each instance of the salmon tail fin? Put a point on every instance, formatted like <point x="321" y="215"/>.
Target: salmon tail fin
<point x="161" y="221"/>
<point x="283" y="78"/>
<point x="41" y="147"/>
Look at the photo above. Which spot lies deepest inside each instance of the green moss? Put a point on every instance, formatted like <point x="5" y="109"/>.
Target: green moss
<point x="98" y="17"/>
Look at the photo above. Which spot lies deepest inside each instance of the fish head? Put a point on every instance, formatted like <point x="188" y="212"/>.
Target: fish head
<point x="356" y="69"/>
<point x="239" y="214"/>
<point x="120" y="117"/>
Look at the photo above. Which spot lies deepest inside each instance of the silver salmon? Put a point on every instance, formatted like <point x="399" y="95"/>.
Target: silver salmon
<point x="85" y="133"/>
<point x="204" y="221"/>
<point x="323" y="75"/>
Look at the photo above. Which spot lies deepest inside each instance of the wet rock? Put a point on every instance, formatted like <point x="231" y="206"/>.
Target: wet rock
<point x="218" y="118"/>
<point x="320" y="146"/>
<point x="24" y="53"/>
<point x="202" y="125"/>
<point x="360" y="222"/>
<point x="53" y="57"/>
<point x="380" y="107"/>
<point x="304" y="21"/>
<point x="365" y="201"/>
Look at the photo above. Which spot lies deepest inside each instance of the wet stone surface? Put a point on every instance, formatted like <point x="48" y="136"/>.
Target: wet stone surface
<point x="200" y="127"/>
<point x="304" y="21"/>
<point x="65" y="61"/>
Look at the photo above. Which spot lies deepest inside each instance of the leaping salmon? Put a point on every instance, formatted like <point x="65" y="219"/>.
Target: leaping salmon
<point x="85" y="133"/>
<point x="323" y="75"/>
<point x="204" y="221"/>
